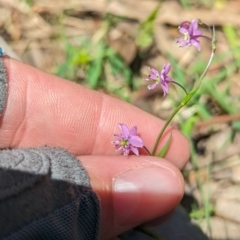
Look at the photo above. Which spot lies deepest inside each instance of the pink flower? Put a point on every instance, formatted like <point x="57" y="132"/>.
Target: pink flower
<point x="161" y="78"/>
<point x="128" y="140"/>
<point x="190" y="33"/>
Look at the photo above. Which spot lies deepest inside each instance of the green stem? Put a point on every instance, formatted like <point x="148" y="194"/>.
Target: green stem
<point x="208" y="38"/>
<point x="179" y="86"/>
<point x="147" y="150"/>
<point x="198" y="83"/>
<point x="163" y="129"/>
<point x="188" y="96"/>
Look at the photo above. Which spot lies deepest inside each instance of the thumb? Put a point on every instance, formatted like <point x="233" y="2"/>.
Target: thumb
<point x="132" y="190"/>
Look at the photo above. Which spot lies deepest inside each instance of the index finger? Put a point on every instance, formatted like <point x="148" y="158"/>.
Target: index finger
<point x="43" y="109"/>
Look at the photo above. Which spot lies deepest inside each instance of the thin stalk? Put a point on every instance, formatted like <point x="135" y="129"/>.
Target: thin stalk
<point x="179" y="86"/>
<point x="189" y="95"/>
<point x="207" y="67"/>
<point x="211" y="57"/>
<point x="208" y="38"/>
<point x="163" y="129"/>
<point x="147" y="150"/>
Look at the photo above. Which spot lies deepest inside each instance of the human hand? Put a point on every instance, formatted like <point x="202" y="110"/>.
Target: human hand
<point x="45" y="110"/>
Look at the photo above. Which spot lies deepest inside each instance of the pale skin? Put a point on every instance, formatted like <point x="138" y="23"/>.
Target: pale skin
<point x="43" y="109"/>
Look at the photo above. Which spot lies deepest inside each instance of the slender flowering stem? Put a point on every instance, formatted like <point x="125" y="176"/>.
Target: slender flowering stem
<point x="205" y="25"/>
<point x="147" y="150"/>
<point x="189" y="95"/>
<point x="210" y="59"/>
<point x="180" y="86"/>
<point x="164" y="128"/>
<point x="211" y="30"/>
<point x="208" y="38"/>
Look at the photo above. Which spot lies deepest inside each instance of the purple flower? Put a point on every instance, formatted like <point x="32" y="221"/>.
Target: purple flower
<point x="161" y="78"/>
<point x="128" y="140"/>
<point x="191" y="33"/>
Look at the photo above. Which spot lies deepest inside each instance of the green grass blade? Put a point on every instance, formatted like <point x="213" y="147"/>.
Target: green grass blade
<point x="233" y="39"/>
<point x="165" y="148"/>
<point x="146" y="29"/>
<point x="95" y="70"/>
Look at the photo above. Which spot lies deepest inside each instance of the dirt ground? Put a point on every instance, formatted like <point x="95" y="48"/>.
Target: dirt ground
<point x="37" y="30"/>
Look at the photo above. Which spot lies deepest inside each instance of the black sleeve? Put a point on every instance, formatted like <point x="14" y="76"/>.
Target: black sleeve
<point x="45" y="194"/>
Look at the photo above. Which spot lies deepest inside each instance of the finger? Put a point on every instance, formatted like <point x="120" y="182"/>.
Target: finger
<point x="43" y="109"/>
<point x="132" y="190"/>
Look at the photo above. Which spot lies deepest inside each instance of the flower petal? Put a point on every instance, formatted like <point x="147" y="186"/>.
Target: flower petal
<point x="182" y="42"/>
<point x="125" y="130"/>
<point x="197" y="33"/>
<point x="194" y="24"/>
<point x="136" y="141"/>
<point x="168" y="79"/>
<point x="167" y="68"/>
<point x="153" y="76"/>
<point x="185" y="25"/>
<point x="152" y="86"/>
<point x="134" y="150"/>
<point x="154" y="71"/>
<point x="117" y="135"/>
<point x="116" y="142"/>
<point x="165" y="87"/>
<point x="183" y="31"/>
<point x="196" y="44"/>
<point x="126" y="151"/>
<point x="133" y="131"/>
<point x="191" y="30"/>
<point x="120" y="149"/>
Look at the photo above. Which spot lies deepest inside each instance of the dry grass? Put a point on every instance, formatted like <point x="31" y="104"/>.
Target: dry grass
<point x="47" y="35"/>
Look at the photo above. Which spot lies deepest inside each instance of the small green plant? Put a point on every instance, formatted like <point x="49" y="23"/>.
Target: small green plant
<point x="96" y="62"/>
<point x="93" y="63"/>
<point x="146" y="29"/>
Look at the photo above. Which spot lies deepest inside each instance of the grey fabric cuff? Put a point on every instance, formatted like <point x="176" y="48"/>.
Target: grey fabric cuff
<point x="3" y="85"/>
<point x="45" y="194"/>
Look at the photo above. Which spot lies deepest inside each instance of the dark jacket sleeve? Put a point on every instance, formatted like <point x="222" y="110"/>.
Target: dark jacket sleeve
<point x="45" y="194"/>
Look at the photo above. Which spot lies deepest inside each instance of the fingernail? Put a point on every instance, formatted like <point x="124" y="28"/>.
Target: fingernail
<point x="143" y="194"/>
<point x="3" y="85"/>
